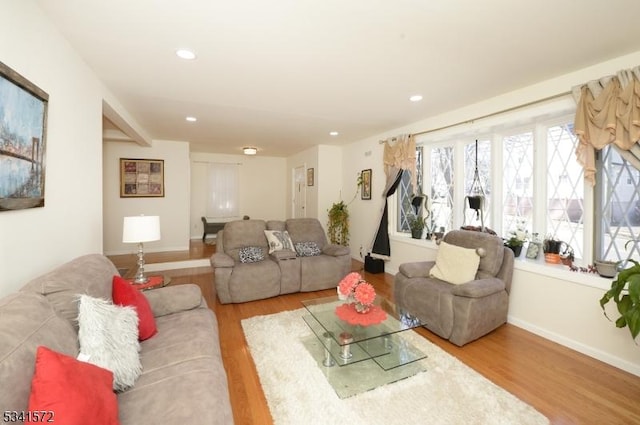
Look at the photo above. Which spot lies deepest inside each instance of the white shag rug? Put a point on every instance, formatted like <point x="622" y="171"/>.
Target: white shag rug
<point x="448" y="392"/>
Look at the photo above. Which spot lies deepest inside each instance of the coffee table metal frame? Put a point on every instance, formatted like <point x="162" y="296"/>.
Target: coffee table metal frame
<point x="350" y="344"/>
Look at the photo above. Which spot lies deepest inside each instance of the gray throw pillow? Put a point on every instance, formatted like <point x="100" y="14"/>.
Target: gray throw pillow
<point x="307" y="249"/>
<point x="251" y="254"/>
<point x="108" y="334"/>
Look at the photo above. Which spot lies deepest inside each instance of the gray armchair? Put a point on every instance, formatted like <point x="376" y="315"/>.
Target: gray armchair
<point x="465" y="312"/>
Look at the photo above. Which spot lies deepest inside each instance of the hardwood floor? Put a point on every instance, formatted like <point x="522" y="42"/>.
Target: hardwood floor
<point x="564" y="385"/>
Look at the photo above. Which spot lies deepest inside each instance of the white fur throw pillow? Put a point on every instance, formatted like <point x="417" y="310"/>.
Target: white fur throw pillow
<point x="108" y="334"/>
<point x="455" y="264"/>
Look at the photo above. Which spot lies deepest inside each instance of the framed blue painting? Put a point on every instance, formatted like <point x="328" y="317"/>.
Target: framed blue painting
<point x="23" y="127"/>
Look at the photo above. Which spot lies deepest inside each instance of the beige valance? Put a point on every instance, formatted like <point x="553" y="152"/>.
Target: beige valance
<point x="400" y="153"/>
<point x="608" y="111"/>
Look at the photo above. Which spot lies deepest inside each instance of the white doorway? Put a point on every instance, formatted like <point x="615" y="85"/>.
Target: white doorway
<point x="299" y="192"/>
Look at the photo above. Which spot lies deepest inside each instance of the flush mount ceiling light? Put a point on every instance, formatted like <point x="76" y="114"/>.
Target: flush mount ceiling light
<point x="191" y="119"/>
<point x="415" y="98"/>
<point x="333" y="133"/>
<point x="185" y="54"/>
<point x="249" y="150"/>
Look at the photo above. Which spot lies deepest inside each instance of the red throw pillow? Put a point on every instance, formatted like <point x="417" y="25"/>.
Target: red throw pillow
<point x="124" y="293"/>
<point x="67" y="391"/>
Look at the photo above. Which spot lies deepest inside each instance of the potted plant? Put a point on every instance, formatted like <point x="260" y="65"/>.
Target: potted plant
<point x="338" y="226"/>
<point x="551" y="248"/>
<point x="338" y="223"/>
<point x="416" y="224"/>
<point x="625" y="292"/>
<point x="515" y="244"/>
<point x="516" y="239"/>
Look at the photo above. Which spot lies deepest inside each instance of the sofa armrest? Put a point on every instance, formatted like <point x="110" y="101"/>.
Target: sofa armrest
<point x="174" y="299"/>
<point x="220" y="259"/>
<point x="284" y="254"/>
<point x="479" y="288"/>
<point x="417" y="269"/>
<point x="335" y="250"/>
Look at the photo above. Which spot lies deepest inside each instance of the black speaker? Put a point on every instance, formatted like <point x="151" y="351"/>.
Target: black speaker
<point x="373" y="265"/>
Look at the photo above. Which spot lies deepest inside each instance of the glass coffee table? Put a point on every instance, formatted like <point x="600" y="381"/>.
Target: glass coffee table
<point x="358" y="358"/>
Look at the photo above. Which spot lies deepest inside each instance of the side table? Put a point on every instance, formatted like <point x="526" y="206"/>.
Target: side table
<point x="157" y="281"/>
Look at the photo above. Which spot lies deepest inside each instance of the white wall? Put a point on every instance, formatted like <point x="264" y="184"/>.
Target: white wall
<point x="263" y="182"/>
<point x="70" y="224"/>
<point x="552" y="302"/>
<point x="173" y="208"/>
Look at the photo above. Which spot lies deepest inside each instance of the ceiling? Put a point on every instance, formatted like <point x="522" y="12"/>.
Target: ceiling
<point x="281" y="74"/>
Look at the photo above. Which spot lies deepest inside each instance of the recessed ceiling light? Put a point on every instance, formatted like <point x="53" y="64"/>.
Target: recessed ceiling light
<point x="415" y="98"/>
<point x="191" y="119"/>
<point x="249" y="150"/>
<point x="185" y="54"/>
<point x="333" y="133"/>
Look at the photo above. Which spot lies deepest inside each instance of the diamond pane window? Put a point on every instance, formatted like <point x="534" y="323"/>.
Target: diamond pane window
<point x="565" y="188"/>
<point x="619" y="216"/>
<point x="517" y="182"/>
<point x="441" y="188"/>
<point x="484" y="171"/>
<point x="405" y="193"/>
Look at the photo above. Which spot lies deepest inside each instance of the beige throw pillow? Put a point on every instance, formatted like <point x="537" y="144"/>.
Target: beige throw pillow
<point x="455" y="264"/>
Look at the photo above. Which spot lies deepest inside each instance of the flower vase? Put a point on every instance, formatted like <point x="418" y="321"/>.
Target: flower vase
<point x="362" y="308"/>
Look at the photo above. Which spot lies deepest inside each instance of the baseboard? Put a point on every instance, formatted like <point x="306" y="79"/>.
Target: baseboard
<point x="174" y="265"/>
<point x="577" y="346"/>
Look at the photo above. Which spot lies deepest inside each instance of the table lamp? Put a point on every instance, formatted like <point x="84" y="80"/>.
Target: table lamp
<point x="139" y="229"/>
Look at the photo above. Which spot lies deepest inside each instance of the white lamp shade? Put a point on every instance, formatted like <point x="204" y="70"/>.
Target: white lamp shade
<point x="141" y="228"/>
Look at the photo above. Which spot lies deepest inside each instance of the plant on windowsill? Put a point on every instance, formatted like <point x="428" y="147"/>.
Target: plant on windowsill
<point x="416" y="224"/>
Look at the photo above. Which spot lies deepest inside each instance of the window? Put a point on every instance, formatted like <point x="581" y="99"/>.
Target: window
<point x="223" y="187"/>
<point x="617" y="188"/>
<point x="405" y="193"/>
<point x="483" y="156"/>
<point x="531" y="180"/>
<point x="517" y="180"/>
<point x="441" y="189"/>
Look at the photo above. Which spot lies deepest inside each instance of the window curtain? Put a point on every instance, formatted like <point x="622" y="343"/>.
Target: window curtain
<point x="223" y="189"/>
<point x="608" y="112"/>
<point x="399" y="154"/>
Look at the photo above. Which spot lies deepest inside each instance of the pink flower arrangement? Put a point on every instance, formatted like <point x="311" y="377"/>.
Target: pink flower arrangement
<point x="355" y="287"/>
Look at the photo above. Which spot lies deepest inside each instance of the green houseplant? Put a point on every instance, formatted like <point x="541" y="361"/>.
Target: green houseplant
<point x="338" y="226"/>
<point x="338" y="223"/>
<point x="625" y="292"/>
<point x="416" y="224"/>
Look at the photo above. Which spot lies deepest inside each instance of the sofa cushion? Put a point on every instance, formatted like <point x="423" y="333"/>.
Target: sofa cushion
<point x="493" y="246"/>
<point x="181" y="361"/>
<point x="125" y="294"/>
<point x="66" y="391"/>
<point x="250" y="254"/>
<point x="26" y="322"/>
<point x="305" y="230"/>
<point x="90" y="274"/>
<point x="455" y="264"/>
<point x="244" y="233"/>
<point x="109" y="336"/>
<point x="278" y="240"/>
<point x="307" y="249"/>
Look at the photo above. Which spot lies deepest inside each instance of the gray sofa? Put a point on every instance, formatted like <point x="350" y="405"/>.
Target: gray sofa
<point x="281" y="272"/>
<point x="183" y="379"/>
<point x="465" y="312"/>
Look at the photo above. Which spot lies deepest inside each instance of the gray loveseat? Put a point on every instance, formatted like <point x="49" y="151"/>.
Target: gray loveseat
<point x="183" y="379"/>
<point x="281" y="272"/>
<point x="465" y="312"/>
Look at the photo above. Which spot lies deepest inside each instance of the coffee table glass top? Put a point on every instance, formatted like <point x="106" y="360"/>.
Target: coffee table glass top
<point x="379" y="342"/>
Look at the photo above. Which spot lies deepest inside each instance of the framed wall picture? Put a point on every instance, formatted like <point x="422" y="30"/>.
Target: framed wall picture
<point x="366" y="184"/>
<point x="141" y="178"/>
<point x="23" y="128"/>
<point x="310" y="176"/>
